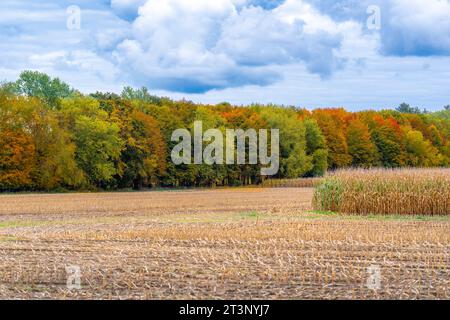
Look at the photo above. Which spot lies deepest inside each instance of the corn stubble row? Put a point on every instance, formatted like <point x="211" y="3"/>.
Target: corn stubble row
<point x="292" y="183"/>
<point x="206" y="245"/>
<point x="385" y="192"/>
<point x="323" y="259"/>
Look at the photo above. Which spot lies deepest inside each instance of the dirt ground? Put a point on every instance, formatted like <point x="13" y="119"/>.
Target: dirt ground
<point x="249" y="243"/>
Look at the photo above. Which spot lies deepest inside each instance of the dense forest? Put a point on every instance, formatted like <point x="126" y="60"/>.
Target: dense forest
<point x="52" y="137"/>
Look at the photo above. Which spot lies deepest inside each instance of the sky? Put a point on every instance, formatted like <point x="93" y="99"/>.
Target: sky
<point x="358" y="54"/>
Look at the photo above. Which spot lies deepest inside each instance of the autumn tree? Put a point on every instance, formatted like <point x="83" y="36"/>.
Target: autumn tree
<point x="53" y="163"/>
<point x="144" y="154"/>
<point x="333" y="126"/>
<point x="360" y="146"/>
<point x="53" y="137"/>
<point x="16" y="159"/>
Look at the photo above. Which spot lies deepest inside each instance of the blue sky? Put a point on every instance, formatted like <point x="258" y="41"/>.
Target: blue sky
<point x="309" y="53"/>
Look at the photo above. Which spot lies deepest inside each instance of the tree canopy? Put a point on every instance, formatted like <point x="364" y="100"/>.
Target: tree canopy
<point x="52" y="136"/>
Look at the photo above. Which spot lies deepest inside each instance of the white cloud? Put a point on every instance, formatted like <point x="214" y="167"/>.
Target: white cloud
<point x="199" y="45"/>
<point x="77" y="61"/>
<point x="417" y="27"/>
<point x="233" y="47"/>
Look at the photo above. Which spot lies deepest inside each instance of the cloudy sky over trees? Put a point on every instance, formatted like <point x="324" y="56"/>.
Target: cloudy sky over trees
<point x="309" y="53"/>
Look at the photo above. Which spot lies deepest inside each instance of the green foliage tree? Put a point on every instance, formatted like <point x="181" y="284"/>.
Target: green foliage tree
<point x="40" y="85"/>
<point x="406" y="108"/>
<point x="141" y="94"/>
<point x="97" y="139"/>
<point x="98" y="147"/>
<point x="388" y="138"/>
<point x="294" y="162"/>
<point x="316" y="148"/>
<point x="420" y="152"/>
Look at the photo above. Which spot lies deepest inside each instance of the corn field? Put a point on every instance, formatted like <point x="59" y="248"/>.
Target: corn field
<point x="385" y="191"/>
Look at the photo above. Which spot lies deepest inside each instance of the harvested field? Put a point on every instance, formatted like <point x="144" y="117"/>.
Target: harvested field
<point x="231" y="243"/>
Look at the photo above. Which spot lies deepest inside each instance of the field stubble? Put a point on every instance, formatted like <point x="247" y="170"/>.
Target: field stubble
<point x="233" y="243"/>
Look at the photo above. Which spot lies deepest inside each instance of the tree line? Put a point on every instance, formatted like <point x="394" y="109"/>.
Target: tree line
<point x="53" y="137"/>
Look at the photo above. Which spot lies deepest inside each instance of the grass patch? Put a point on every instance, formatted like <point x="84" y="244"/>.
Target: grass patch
<point x="378" y="217"/>
<point x="21" y="223"/>
<point x="250" y="215"/>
